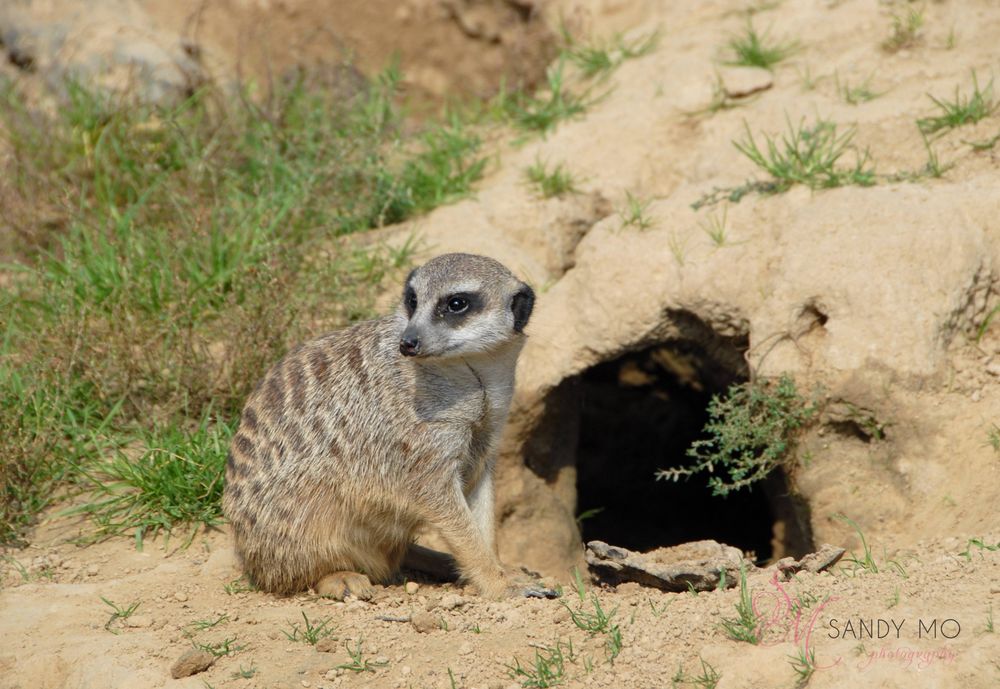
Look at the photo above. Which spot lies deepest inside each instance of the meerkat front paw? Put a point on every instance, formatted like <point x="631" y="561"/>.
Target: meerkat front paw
<point x="338" y="585"/>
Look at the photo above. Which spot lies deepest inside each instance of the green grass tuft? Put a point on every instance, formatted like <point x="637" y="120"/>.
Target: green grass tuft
<point x="746" y="625"/>
<point x="118" y="612"/>
<point x="175" y="478"/>
<point x="906" y="27"/>
<point x="219" y="649"/>
<point x="750" y="432"/>
<point x="551" y="183"/>
<point x="867" y="561"/>
<point x="708" y="679"/>
<point x="245" y="673"/>
<point x="311" y="631"/>
<point x="981" y="546"/>
<point x="635" y="213"/>
<point x="808" y="156"/>
<point x="804" y="664"/>
<point x="358" y="662"/>
<point x="752" y="49"/>
<point x="598" y="622"/>
<point x="993" y="437"/>
<point x="715" y="227"/>
<point x="602" y="57"/>
<point x="962" y="110"/>
<point x="547" y="668"/>
<point x="856" y="94"/>
<point x="542" y="112"/>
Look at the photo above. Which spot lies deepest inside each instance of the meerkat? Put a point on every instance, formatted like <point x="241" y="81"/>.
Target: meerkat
<point x="355" y="440"/>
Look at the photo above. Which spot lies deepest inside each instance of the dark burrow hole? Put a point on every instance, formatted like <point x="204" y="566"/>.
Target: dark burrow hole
<point x="639" y="413"/>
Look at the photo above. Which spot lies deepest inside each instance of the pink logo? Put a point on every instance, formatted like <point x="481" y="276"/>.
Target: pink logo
<point x="781" y="620"/>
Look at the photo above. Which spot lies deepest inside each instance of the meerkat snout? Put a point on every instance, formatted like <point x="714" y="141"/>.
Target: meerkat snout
<point x="447" y="317"/>
<point x="357" y="439"/>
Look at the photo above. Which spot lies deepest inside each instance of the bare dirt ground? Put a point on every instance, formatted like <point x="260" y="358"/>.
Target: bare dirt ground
<point x="904" y="273"/>
<point x="929" y="620"/>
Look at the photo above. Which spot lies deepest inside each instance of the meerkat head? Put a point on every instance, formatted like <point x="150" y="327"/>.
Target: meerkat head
<point x="459" y="304"/>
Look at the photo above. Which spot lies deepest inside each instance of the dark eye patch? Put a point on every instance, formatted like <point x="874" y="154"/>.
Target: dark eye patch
<point x="410" y="300"/>
<point x="456" y="307"/>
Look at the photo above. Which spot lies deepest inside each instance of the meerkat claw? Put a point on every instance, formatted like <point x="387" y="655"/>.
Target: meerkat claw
<point x="539" y="592"/>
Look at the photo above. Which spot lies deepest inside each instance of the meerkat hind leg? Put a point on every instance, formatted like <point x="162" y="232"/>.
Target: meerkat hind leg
<point x="338" y="585"/>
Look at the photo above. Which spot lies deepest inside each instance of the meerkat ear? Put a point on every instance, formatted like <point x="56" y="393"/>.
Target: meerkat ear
<point x="522" y="304"/>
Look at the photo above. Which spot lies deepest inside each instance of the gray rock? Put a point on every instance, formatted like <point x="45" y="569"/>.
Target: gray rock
<point x="113" y="46"/>
<point x="699" y="565"/>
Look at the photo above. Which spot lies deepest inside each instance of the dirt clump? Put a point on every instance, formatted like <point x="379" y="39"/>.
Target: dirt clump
<point x="191" y="663"/>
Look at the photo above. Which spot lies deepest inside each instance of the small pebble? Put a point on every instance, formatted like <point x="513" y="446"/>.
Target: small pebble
<point x="405" y="670"/>
<point x="180" y="597"/>
<point x="412" y="587"/>
<point x="92" y="570"/>
<point x="451" y="601"/>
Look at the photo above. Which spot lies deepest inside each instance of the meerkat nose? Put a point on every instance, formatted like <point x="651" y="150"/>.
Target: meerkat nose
<point x="409" y="345"/>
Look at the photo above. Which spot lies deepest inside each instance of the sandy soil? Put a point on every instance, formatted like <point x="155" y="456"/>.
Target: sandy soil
<point x="54" y="629"/>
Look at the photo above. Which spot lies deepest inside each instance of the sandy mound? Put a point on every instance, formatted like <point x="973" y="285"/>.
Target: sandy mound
<point x="872" y="294"/>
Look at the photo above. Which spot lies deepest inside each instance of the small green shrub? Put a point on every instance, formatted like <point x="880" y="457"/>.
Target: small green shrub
<point x="751" y="431"/>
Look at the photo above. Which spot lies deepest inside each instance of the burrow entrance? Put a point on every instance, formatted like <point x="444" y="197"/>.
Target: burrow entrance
<point x="626" y="418"/>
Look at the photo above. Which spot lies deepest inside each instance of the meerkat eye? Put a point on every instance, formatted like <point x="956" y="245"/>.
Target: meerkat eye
<point x="410" y="300"/>
<point x="457" y="304"/>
